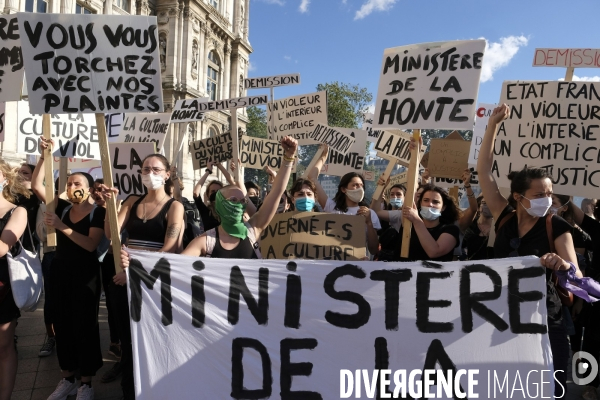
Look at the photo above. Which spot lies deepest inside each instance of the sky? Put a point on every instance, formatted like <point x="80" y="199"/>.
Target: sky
<point x="344" y="40"/>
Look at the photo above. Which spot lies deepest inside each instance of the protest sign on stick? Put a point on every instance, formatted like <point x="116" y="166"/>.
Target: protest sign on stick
<point x="127" y="167"/>
<point x="11" y="66"/>
<point x="271" y="81"/>
<point x="448" y="158"/>
<point x="113" y="67"/>
<point x="142" y="127"/>
<point x="411" y="188"/>
<point x="313" y="162"/>
<point x="257" y="153"/>
<point x="482" y="116"/>
<point x="429" y="85"/>
<point x="386" y="174"/>
<point x="333" y="137"/>
<point x="63" y="167"/>
<point x="372" y="134"/>
<point x="217" y="149"/>
<point x="192" y="110"/>
<point x="394" y="144"/>
<point x="567" y="58"/>
<point x="49" y="180"/>
<point x="317" y="236"/>
<point x="297" y="116"/>
<point x="339" y="164"/>
<point x="553" y="125"/>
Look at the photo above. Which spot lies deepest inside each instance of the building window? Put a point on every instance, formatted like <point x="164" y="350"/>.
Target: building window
<point x="214" y="3"/>
<point x="212" y="132"/>
<point x="79" y="9"/>
<point x="40" y="6"/>
<point x="123" y="4"/>
<point x="212" y="75"/>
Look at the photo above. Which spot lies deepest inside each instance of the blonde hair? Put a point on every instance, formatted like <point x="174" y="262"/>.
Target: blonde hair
<point x="14" y="183"/>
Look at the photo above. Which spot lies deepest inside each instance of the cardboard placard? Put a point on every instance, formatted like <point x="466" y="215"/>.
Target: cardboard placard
<point x="11" y="67"/>
<point x="127" y="160"/>
<point x="258" y="328"/>
<point x="553" y="125"/>
<point x="2" y="120"/>
<point x="333" y="137"/>
<point x="259" y="153"/>
<point x="91" y="63"/>
<point x="482" y="116"/>
<point x="368" y="176"/>
<point x="567" y="58"/>
<point x="372" y="134"/>
<point x="77" y="164"/>
<point x="339" y="164"/>
<point x="297" y="116"/>
<point x="139" y="128"/>
<point x="317" y="236"/>
<point x="429" y="85"/>
<point x="191" y="110"/>
<point x="448" y="157"/>
<point x="74" y="135"/>
<point x="394" y="144"/>
<point x="218" y="149"/>
<point x="271" y="81"/>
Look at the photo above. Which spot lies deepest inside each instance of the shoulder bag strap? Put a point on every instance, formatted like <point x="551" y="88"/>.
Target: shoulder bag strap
<point x="253" y="241"/>
<point x="505" y="219"/>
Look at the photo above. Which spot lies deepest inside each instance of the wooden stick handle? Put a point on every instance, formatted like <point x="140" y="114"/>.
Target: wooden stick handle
<point x="312" y="164"/>
<point x="49" y="180"/>
<point x="453" y="192"/>
<point x="413" y="174"/>
<point x="235" y="145"/>
<point x="111" y="204"/>
<point x="386" y="174"/>
<point x="569" y="74"/>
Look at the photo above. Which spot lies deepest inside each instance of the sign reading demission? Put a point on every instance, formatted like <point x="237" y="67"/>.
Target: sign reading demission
<point x="250" y="329"/>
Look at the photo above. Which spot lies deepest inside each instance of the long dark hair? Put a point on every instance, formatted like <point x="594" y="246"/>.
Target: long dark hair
<point x="340" y="197"/>
<point x="297" y="186"/>
<point x="520" y="181"/>
<point x="451" y="213"/>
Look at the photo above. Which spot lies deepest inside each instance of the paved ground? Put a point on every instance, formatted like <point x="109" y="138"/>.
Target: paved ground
<point x="37" y="377"/>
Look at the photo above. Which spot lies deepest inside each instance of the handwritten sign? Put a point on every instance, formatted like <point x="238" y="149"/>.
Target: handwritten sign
<point x="576" y="58"/>
<point x="482" y="116"/>
<point x="333" y="137"/>
<point x="317" y="236"/>
<point x="297" y="116"/>
<point x="190" y="110"/>
<point x="140" y="128"/>
<point x="553" y="125"/>
<point x="339" y="164"/>
<point x="429" y="85"/>
<point x="372" y="134"/>
<point x="91" y="63"/>
<point x="394" y="144"/>
<point x="74" y="135"/>
<point x="11" y="59"/>
<point x="271" y="81"/>
<point x="448" y="158"/>
<point x="259" y="153"/>
<point x="127" y="160"/>
<point x="2" y="120"/>
<point x="217" y="148"/>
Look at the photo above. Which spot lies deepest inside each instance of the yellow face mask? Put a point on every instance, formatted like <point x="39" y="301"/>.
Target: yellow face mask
<point x="77" y="196"/>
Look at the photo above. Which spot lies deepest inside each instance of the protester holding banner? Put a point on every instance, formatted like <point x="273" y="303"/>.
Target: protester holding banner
<point x="235" y="238"/>
<point x="12" y="225"/>
<point x="523" y="228"/>
<point x="75" y="279"/>
<point x="206" y="207"/>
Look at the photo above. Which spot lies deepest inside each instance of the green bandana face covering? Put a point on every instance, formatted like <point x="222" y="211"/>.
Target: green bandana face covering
<point x="231" y="215"/>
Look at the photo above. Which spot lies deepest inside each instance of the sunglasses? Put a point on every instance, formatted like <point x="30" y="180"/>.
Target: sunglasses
<point x="514" y="244"/>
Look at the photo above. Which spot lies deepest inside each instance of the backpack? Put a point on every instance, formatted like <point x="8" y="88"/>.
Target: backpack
<point x="389" y="242"/>
<point x="191" y="218"/>
<point x="211" y="240"/>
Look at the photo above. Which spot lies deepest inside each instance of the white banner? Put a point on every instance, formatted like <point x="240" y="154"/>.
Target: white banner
<point x="249" y="329"/>
<point x="11" y="62"/>
<point x="339" y="164"/>
<point x="91" y="63"/>
<point x="74" y="135"/>
<point x="482" y="116"/>
<point x="297" y="116"/>
<point x="138" y="128"/>
<point x="553" y="125"/>
<point x="127" y="160"/>
<point x="429" y="85"/>
<point x="576" y="58"/>
<point x="271" y="81"/>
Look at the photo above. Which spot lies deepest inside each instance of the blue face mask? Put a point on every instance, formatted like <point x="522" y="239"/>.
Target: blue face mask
<point x="305" y="204"/>
<point x="430" y="213"/>
<point x="396" y="203"/>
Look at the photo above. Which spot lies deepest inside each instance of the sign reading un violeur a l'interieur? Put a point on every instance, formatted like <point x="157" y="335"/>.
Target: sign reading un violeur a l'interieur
<point x="297" y="116"/>
<point x="553" y="125"/>
<point x="91" y="63"/>
<point x="191" y="110"/>
<point x="429" y="85"/>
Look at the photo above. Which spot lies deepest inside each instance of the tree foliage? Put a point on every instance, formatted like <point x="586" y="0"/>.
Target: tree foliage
<point x="256" y="127"/>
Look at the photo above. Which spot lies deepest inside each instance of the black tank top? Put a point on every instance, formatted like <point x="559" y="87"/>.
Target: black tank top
<point x="242" y="250"/>
<point x="149" y="234"/>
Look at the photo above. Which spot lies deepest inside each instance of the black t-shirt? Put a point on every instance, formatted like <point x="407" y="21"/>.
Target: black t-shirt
<point x="418" y="253"/>
<point x="533" y="243"/>
<point x="592" y="228"/>
<point x="31" y="204"/>
<point x="476" y="246"/>
<point x="208" y="220"/>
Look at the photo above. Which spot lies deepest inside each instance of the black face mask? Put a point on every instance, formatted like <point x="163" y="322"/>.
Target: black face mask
<point x="254" y="200"/>
<point x="213" y="197"/>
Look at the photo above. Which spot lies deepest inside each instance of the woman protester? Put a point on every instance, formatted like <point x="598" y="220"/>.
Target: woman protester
<point x="75" y="280"/>
<point x="206" y="206"/>
<point x="523" y="229"/>
<point x="153" y="222"/>
<point x="348" y="200"/>
<point x="13" y="224"/>
<point x="303" y="195"/>
<point x="475" y="243"/>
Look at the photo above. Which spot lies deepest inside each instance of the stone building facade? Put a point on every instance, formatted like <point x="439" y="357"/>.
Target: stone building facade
<point x="204" y="52"/>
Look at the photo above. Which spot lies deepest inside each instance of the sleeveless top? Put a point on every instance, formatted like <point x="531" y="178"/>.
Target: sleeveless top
<point x="244" y="249"/>
<point x="149" y="234"/>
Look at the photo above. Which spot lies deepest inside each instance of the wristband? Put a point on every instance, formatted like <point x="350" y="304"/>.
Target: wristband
<point x="472" y="195"/>
<point x="290" y="159"/>
<point x="467" y="187"/>
<point x="209" y="171"/>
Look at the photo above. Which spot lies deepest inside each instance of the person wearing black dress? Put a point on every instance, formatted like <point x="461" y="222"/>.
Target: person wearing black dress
<point x="206" y="206"/>
<point x="75" y="277"/>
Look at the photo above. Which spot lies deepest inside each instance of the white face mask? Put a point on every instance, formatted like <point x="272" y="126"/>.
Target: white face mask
<point x="355" y="195"/>
<point x="430" y="213"/>
<point x="538" y="207"/>
<point x="2" y="185"/>
<point x="153" y="182"/>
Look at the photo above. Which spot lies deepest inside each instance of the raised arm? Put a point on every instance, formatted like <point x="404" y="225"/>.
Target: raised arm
<point x="313" y="175"/>
<point x="227" y="175"/>
<point x="468" y="215"/>
<point x="207" y="172"/>
<point x="494" y="199"/>
<point x="376" y="203"/>
<point x="37" y="178"/>
<point x="263" y="217"/>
